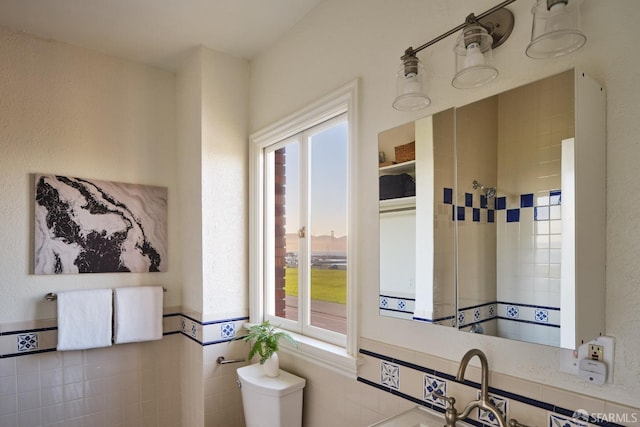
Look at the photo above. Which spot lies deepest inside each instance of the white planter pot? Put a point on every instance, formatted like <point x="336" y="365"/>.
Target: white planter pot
<point x="271" y="366"/>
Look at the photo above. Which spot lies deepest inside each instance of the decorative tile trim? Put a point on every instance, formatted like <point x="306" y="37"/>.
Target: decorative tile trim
<point x="500" y="404"/>
<point x="390" y="375"/>
<point x="475" y="314"/>
<point x="400" y="394"/>
<point x="397" y="304"/>
<point x="433" y="384"/>
<point x="26" y="331"/>
<point x="413" y="399"/>
<point x="556" y="411"/>
<point x="37" y="340"/>
<point x="508" y="311"/>
<point x="529" y="313"/>
<point x="27" y="342"/>
<point x="227" y="330"/>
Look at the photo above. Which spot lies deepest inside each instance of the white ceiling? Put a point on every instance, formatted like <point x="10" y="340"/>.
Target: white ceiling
<point x="157" y="32"/>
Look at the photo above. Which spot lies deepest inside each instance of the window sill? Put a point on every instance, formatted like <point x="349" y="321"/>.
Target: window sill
<point x="330" y="356"/>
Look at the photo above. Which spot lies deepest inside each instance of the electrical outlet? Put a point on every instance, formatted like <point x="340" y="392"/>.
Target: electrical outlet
<point x="603" y="346"/>
<point x="596" y="352"/>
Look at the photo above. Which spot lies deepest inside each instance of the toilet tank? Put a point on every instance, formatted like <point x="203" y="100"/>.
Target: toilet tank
<point x="270" y="401"/>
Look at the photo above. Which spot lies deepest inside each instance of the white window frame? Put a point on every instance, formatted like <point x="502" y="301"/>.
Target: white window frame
<point x="340" y="358"/>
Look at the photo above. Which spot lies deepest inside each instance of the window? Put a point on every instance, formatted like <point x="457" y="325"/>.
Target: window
<point x="302" y="262"/>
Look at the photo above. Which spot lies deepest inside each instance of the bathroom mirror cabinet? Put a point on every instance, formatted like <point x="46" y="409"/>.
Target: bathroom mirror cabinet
<point x="492" y="214"/>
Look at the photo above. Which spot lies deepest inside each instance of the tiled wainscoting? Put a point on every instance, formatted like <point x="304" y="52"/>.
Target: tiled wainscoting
<point x="414" y="376"/>
<point x="139" y="384"/>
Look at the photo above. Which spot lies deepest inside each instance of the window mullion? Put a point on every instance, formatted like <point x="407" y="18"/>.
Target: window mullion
<point x="304" y="299"/>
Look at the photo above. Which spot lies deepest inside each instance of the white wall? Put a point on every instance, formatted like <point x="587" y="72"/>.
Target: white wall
<point x="341" y="40"/>
<point x="225" y="97"/>
<point x="189" y="125"/>
<point x="70" y="111"/>
<point x="212" y="121"/>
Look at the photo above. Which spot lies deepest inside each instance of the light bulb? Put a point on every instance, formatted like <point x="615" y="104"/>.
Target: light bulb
<point x="474" y="56"/>
<point x="559" y="18"/>
<point x="412" y="84"/>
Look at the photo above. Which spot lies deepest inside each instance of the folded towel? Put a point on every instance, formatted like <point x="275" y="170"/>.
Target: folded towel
<point x="84" y="319"/>
<point x="138" y="314"/>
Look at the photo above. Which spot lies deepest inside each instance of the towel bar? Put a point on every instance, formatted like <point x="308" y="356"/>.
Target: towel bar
<point x="52" y="297"/>
<point x="222" y="361"/>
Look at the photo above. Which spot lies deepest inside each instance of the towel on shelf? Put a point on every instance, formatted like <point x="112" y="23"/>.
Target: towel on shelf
<point x="138" y="314"/>
<point x="84" y="319"/>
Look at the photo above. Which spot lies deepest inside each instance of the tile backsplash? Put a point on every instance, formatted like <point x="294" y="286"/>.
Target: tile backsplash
<point x="140" y="384"/>
<point x="415" y="377"/>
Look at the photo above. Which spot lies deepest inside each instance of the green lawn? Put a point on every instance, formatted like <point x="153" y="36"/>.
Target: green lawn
<point x="327" y="285"/>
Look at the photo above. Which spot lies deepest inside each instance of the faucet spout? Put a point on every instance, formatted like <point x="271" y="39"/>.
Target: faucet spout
<point x="484" y="364"/>
<point x="483" y="402"/>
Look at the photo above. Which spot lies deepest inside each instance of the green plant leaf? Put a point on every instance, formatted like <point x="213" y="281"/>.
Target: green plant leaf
<point x="265" y="340"/>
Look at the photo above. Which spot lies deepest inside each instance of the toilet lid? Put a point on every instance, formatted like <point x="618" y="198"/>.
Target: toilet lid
<point x="285" y="383"/>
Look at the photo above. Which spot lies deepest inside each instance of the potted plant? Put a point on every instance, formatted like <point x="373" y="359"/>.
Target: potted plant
<point x="266" y="344"/>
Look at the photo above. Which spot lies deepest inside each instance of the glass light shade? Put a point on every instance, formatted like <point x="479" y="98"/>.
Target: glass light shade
<point x="410" y="94"/>
<point x="556" y="29"/>
<point x="473" y="58"/>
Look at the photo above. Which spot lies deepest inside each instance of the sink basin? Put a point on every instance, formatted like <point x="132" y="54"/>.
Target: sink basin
<point x="415" y="417"/>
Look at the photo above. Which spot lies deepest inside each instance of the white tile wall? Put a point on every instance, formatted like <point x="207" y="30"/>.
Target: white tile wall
<point x="123" y="385"/>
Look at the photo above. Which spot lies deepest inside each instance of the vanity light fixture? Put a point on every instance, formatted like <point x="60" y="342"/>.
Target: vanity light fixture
<point x="556" y="31"/>
<point x="474" y="46"/>
<point x="410" y="93"/>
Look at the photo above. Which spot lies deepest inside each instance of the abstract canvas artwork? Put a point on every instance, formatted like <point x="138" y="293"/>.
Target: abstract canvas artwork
<point x="90" y="226"/>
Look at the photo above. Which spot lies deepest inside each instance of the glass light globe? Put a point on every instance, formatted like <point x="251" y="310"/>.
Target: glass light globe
<point x="473" y="58"/>
<point x="410" y="94"/>
<point x="556" y="29"/>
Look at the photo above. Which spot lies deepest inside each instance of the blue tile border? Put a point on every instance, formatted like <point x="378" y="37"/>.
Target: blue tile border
<point x="396" y="304"/>
<point x="414" y="400"/>
<point x="545" y="307"/>
<point x="28" y="331"/>
<point x="481" y="313"/>
<point x="503" y="393"/>
<point x="437" y="320"/>
<point x="27" y="342"/>
<point x="190" y="332"/>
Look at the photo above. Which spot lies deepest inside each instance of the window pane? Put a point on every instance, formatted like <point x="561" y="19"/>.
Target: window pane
<point x="286" y="224"/>
<point x="328" y="227"/>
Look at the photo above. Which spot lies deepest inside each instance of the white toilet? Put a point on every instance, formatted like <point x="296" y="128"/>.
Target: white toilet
<point x="270" y="402"/>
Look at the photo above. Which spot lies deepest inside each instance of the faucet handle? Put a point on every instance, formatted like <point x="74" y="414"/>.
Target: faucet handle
<point x="450" y="401"/>
<point x="514" y="423"/>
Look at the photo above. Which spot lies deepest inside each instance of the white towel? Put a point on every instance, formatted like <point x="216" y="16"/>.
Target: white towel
<point x="84" y="319"/>
<point x="138" y="314"/>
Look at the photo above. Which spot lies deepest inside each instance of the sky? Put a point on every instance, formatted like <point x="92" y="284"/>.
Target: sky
<point x="328" y="182"/>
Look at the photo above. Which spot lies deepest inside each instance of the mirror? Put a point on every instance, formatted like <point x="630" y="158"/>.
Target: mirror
<point x="481" y="208"/>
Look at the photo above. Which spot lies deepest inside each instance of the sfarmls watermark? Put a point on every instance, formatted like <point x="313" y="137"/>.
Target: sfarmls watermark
<point x="610" y="417"/>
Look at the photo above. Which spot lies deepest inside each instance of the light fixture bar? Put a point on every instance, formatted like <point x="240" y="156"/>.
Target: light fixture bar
<point x="458" y="28"/>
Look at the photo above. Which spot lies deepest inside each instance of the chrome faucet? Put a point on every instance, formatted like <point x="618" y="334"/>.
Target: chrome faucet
<point x="451" y="414"/>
